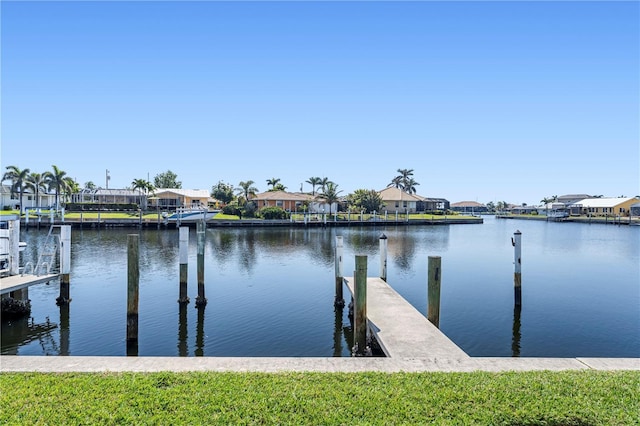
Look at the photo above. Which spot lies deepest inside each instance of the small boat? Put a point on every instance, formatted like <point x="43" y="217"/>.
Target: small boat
<point x="190" y="215"/>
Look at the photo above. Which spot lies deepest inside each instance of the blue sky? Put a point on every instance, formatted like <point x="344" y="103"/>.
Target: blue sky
<point x="485" y="101"/>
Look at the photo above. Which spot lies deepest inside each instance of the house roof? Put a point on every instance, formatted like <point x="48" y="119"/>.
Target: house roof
<point x="191" y="193"/>
<point x="396" y="194"/>
<point x="603" y="202"/>
<point x="282" y="196"/>
<point x="467" y="204"/>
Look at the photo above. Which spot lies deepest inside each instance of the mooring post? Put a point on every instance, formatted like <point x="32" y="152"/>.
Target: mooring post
<point x="433" y="290"/>
<point x="517" y="277"/>
<point x="201" y="300"/>
<point x="14" y="247"/>
<point x="65" y="264"/>
<point x="62" y="214"/>
<point x="51" y="216"/>
<point x="383" y="257"/>
<point x="339" y="299"/>
<point x="183" y="255"/>
<point x="133" y="284"/>
<point x="360" y="310"/>
<point x="183" y="346"/>
<point x="26" y="219"/>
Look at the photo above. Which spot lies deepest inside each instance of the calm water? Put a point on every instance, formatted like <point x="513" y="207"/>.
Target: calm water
<point x="270" y="291"/>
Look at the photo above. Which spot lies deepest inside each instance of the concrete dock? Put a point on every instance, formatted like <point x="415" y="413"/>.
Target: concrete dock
<point x="18" y="282"/>
<point x="400" y="329"/>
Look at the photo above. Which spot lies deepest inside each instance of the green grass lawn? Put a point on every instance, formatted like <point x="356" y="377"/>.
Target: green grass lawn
<point x="529" y="398"/>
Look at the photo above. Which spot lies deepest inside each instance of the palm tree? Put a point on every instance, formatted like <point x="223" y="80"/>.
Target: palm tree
<point x="70" y="187"/>
<point x="18" y="180"/>
<point x="404" y="181"/>
<point x="410" y="186"/>
<point x="143" y="186"/>
<point x="324" y="182"/>
<point x="330" y="194"/>
<point x="37" y="182"/>
<point x="57" y="181"/>
<point x="314" y="181"/>
<point x="247" y="189"/>
<point x="273" y="182"/>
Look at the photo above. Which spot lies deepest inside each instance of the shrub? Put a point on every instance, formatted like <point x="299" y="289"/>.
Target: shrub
<point x="273" y="213"/>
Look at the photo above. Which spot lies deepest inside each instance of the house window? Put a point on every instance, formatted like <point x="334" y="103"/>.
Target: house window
<point x="279" y="203"/>
<point x="397" y="204"/>
<point x="404" y="204"/>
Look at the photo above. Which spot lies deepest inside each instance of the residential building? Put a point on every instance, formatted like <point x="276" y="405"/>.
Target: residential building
<point x="171" y="198"/>
<point x="604" y="206"/>
<point x="469" y="207"/>
<point x="10" y="201"/>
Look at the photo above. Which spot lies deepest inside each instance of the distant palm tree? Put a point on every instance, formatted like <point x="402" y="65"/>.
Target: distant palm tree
<point x="37" y="182"/>
<point x="70" y="187"/>
<point x="90" y="186"/>
<point x="330" y="194"/>
<point x="314" y="181"/>
<point x="18" y="180"/>
<point x="57" y="181"/>
<point x="247" y="189"/>
<point x="324" y="182"/>
<point x="143" y="186"/>
<point x="410" y="186"/>
<point x="273" y="182"/>
<point x="405" y="181"/>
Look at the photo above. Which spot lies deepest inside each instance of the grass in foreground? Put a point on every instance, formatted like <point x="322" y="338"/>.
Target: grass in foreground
<point x="531" y="398"/>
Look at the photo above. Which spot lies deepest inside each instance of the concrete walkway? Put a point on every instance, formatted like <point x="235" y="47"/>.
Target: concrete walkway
<point x="93" y="364"/>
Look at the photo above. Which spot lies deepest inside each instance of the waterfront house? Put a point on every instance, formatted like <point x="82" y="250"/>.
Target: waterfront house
<point x="396" y="200"/>
<point x="108" y="196"/>
<point x="11" y="201"/>
<point x="604" y="206"/>
<point x="291" y="201"/>
<point x="172" y="198"/>
<point x="469" y="207"/>
<point x="571" y="198"/>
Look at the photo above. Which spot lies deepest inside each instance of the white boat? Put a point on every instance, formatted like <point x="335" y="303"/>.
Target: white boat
<point x="190" y="215"/>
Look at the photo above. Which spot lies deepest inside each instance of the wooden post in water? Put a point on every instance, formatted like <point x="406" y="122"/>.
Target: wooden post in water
<point x="339" y="299"/>
<point x="201" y="300"/>
<point x="133" y="284"/>
<point x="65" y="264"/>
<point x="433" y="290"/>
<point x="383" y="257"/>
<point x="360" y="309"/>
<point x="517" y="277"/>
<point x="183" y="254"/>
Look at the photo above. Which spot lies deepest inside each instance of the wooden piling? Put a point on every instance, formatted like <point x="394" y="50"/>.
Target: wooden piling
<point x="517" y="275"/>
<point x="65" y="265"/>
<point x="383" y="257"/>
<point x="339" y="298"/>
<point x="201" y="300"/>
<point x="183" y="248"/>
<point x="433" y="290"/>
<point x="133" y="284"/>
<point x="360" y="309"/>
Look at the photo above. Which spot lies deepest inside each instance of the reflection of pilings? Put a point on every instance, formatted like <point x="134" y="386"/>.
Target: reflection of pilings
<point x="200" y="332"/>
<point x="337" y="332"/>
<point x="201" y="300"/>
<point x="183" y="249"/>
<point x="64" y="329"/>
<point x="515" y="342"/>
<point x="433" y="290"/>
<point x="183" y="347"/>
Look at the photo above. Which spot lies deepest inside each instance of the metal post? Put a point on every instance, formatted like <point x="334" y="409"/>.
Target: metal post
<point x="383" y="257"/>
<point x="433" y="290"/>
<point x="517" y="276"/>
<point x="339" y="299"/>
<point x="183" y="253"/>
<point x="65" y="264"/>
<point x="201" y="300"/>
<point x="14" y="247"/>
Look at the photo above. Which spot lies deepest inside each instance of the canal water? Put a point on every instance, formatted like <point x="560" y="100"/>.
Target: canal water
<point x="270" y="291"/>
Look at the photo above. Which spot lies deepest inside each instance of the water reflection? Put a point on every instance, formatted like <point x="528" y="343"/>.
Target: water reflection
<point x="22" y="331"/>
<point x="183" y="331"/>
<point x="64" y="329"/>
<point x="515" y="340"/>
<point x="200" y="332"/>
<point x="337" y="331"/>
